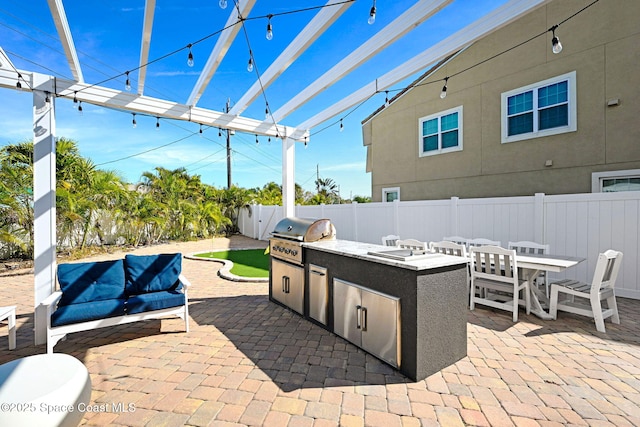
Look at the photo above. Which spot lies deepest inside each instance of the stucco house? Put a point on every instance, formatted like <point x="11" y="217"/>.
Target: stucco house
<point x="519" y="119"/>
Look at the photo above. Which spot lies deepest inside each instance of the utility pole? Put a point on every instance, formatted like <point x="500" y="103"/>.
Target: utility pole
<point x="228" y="150"/>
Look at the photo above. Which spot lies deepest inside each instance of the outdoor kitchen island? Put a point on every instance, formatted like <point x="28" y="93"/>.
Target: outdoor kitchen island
<point x="410" y="313"/>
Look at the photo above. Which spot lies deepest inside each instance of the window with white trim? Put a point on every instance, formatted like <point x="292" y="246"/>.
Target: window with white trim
<point x="614" y="181"/>
<point x="541" y="109"/>
<point x="441" y="132"/>
<point x="390" y="194"/>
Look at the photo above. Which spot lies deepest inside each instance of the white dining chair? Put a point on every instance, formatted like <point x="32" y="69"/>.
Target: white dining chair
<point x="390" y="240"/>
<point x="451" y="248"/>
<point x="448" y="248"/>
<point x="411" y="244"/>
<point x="494" y="272"/>
<point x="532" y="248"/>
<point x="602" y="287"/>
<point x="483" y="242"/>
<point x="457" y="239"/>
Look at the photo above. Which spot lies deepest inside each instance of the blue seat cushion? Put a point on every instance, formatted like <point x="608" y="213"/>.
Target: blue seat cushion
<point x="91" y="281"/>
<point x="152" y="273"/>
<point x="84" y="312"/>
<point x="154" y="301"/>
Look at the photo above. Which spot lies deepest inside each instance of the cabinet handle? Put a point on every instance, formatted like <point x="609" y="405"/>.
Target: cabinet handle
<point x="319" y="273"/>
<point x="364" y="319"/>
<point x="288" y="282"/>
<point x="358" y="314"/>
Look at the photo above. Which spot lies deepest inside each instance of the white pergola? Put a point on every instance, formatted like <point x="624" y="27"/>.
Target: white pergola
<point x="43" y="86"/>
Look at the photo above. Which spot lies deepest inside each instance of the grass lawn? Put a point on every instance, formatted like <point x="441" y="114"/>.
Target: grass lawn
<point x="246" y="262"/>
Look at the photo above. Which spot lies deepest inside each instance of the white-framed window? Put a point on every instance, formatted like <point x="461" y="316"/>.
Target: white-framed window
<point x="613" y="181"/>
<point x="440" y="132"/>
<point x="391" y="194"/>
<point x="541" y="109"/>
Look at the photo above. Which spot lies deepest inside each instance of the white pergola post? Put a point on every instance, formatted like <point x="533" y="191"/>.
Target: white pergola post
<point x="44" y="196"/>
<point x="288" y="177"/>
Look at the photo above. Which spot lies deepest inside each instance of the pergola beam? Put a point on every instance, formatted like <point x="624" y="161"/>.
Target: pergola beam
<point x="156" y="107"/>
<point x="64" y="32"/>
<point x="220" y="49"/>
<point x="149" y="11"/>
<point x="314" y="29"/>
<point x="491" y="22"/>
<point x="406" y="22"/>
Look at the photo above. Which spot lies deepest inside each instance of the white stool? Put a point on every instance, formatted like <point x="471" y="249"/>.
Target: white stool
<point x="9" y="313"/>
<point x="44" y="390"/>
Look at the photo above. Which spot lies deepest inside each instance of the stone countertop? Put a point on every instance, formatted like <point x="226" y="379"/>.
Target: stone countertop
<point x="361" y="251"/>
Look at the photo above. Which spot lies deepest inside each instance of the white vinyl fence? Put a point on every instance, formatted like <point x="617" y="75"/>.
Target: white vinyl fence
<point x="581" y="225"/>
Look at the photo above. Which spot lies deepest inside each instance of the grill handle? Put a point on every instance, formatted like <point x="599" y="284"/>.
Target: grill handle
<point x="358" y="316"/>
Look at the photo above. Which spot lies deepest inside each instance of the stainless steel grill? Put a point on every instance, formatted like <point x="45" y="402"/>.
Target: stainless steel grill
<point x="289" y="234"/>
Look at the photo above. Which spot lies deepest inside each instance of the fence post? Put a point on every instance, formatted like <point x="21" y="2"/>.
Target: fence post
<point x="354" y="209"/>
<point x="258" y="222"/>
<point x="454" y="216"/>
<point x="538" y="217"/>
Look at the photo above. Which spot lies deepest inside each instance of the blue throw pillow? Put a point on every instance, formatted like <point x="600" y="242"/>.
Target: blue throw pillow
<point x="152" y="273"/>
<point x="91" y="281"/>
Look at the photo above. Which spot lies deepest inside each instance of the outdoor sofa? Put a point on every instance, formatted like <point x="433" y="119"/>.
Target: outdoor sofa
<point x="100" y="294"/>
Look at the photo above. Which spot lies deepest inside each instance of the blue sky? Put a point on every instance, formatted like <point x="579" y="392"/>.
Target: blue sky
<point x="107" y="37"/>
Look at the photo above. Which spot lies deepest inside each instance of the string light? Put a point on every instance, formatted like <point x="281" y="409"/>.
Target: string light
<point x="80" y="107"/>
<point x="219" y="133"/>
<point x="250" y="64"/>
<point x="269" y="28"/>
<point x="372" y="14"/>
<point x="266" y="113"/>
<point x="133" y="122"/>
<point x="257" y="142"/>
<point x="190" y="57"/>
<point x="18" y="84"/>
<point x="75" y="99"/>
<point x="443" y="94"/>
<point x="305" y="142"/>
<point x="386" y="97"/>
<point x="341" y="126"/>
<point x="556" y="46"/>
<point x="127" y="84"/>
<point x="200" y="128"/>
<point x="46" y="97"/>
<point x="157" y="122"/>
<point x="223" y="4"/>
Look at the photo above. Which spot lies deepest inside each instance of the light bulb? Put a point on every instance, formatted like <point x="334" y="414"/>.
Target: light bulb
<point x="190" y="58"/>
<point x="223" y="4"/>
<point x="269" y="30"/>
<point x="75" y="100"/>
<point x="556" y="46"/>
<point x="157" y="122"/>
<point x="127" y="84"/>
<point x="250" y="65"/>
<point x="80" y="108"/>
<point x="200" y="129"/>
<point x="341" y="126"/>
<point x="372" y="15"/>
<point x="443" y="94"/>
<point x="133" y="122"/>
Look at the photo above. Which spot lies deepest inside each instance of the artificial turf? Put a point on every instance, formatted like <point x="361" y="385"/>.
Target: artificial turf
<point x="246" y="262"/>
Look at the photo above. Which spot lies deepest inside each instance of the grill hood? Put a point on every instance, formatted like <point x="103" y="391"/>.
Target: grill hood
<point x="305" y="229"/>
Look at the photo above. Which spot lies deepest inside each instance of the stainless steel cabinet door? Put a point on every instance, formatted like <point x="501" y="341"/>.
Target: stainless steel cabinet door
<point x="318" y="293"/>
<point x="287" y="285"/>
<point x="347" y="311"/>
<point x="380" y="320"/>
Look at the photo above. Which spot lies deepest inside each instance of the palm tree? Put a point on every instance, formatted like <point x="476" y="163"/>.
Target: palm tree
<point x="328" y="189"/>
<point x="16" y="199"/>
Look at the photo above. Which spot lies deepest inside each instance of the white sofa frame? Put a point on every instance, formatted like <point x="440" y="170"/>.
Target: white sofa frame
<point x="56" y="333"/>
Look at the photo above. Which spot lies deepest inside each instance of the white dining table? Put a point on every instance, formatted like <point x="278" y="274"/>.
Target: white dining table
<point x="532" y="265"/>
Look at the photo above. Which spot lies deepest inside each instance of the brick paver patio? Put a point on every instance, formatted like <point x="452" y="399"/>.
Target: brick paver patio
<point x="247" y="361"/>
